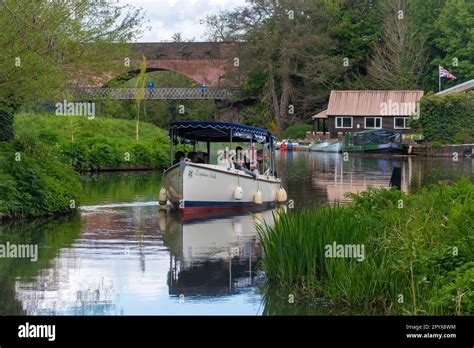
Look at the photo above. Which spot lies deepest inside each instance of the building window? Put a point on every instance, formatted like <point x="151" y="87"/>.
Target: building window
<point x="343" y="122"/>
<point x="373" y="122"/>
<point x="400" y="122"/>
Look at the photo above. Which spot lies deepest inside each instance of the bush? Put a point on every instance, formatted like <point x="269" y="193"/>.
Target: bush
<point x="447" y="119"/>
<point x="298" y="131"/>
<point x="33" y="186"/>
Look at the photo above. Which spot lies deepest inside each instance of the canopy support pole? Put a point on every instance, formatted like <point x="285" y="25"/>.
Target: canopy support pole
<point x="171" y="148"/>
<point x="272" y="146"/>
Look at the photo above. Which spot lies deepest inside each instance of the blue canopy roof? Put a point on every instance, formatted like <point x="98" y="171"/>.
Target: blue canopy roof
<point x="218" y="131"/>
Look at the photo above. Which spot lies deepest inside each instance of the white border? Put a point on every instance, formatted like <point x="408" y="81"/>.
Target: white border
<point x="405" y="123"/>
<point x="352" y="122"/>
<point x="365" y="122"/>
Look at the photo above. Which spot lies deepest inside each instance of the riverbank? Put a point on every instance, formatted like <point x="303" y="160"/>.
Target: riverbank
<point x="34" y="183"/>
<point x="389" y="252"/>
<point x="39" y="170"/>
<point x="95" y="144"/>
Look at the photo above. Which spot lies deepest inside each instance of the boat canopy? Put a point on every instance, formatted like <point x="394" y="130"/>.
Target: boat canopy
<point x="376" y="137"/>
<point x="219" y="132"/>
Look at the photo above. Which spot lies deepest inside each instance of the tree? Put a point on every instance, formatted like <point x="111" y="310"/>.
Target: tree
<point x="356" y="28"/>
<point x="400" y="58"/>
<point x="455" y="41"/>
<point x="286" y="40"/>
<point x="139" y="93"/>
<point x="49" y="45"/>
<point x="177" y="37"/>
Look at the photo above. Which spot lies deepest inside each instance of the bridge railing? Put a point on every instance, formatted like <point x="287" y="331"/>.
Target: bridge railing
<point x="163" y="93"/>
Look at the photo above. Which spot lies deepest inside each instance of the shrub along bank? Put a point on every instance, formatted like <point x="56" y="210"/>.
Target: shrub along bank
<point x="410" y="254"/>
<point x="35" y="183"/>
<point x="37" y="176"/>
<point x="447" y="119"/>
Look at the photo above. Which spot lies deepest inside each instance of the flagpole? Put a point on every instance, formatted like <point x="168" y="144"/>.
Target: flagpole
<point x="439" y="78"/>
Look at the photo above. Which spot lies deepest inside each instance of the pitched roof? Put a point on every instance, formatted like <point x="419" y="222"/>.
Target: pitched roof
<point x="322" y="114"/>
<point x="365" y="103"/>
<point x="462" y="87"/>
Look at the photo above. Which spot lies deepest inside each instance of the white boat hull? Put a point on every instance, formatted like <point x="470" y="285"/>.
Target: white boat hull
<point x="197" y="187"/>
<point x="327" y="147"/>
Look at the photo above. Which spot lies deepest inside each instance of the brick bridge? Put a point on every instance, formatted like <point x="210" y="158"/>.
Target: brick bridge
<point x="205" y="62"/>
<point x="208" y="63"/>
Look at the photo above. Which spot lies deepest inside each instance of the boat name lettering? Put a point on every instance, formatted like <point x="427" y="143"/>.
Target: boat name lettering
<point x="205" y="174"/>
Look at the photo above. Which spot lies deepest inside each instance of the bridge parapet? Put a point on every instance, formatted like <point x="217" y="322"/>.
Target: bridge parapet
<point x="164" y="93"/>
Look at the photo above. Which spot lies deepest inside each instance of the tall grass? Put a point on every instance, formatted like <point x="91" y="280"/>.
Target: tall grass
<point x="416" y="251"/>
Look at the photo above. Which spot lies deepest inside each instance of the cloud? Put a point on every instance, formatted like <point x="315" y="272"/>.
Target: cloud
<point x="166" y="17"/>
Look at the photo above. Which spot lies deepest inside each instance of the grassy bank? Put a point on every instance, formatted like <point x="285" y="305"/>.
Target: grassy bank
<point x="34" y="183"/>
<point x="38" y="171"/>
<point x="95" y="144"/>
<point x="418" y="252"/>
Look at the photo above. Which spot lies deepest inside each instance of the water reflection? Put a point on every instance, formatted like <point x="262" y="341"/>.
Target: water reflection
<point x="213" y="257"/>
<point x="134" y="260"/>
<point x="122" y="255"/>
<point x="321" y="178"/>
<point x="32" y="279"/>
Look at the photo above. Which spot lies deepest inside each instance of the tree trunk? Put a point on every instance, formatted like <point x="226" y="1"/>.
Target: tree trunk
<point x="271" y="86"/>
<point x="137" y="129"/>
<point x="284" y="102"/>
<point x="6" y="126"/>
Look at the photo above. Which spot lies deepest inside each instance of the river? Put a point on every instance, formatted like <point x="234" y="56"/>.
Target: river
<point x="122" y="255"/>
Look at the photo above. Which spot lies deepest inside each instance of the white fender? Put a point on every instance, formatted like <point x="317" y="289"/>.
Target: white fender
<point x="281" y="195"/>
<point x="257" y="198"/>
<point x="163" y="198"/>
<point x="238" y="193"/>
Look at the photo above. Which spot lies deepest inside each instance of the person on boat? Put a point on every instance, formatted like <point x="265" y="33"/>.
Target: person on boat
<point x="238" y="158"/>
<point x="178" y="157"/>
<point x="192" y="156"/>
<point x="239" y="162"/>
<point x="200" y="157"/>
<point x="254" y="170"/>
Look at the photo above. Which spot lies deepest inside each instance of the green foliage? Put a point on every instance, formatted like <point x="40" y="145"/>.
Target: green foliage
<point x="42" y="182"/>
<point x="44" y="45"/>
<point x="454" y="41"/>
<point x="457" y="293"/>
<point x="100" y="143"/>
<point x="417" y="251"/>
<point x="297" y="131"/>
<point x="448" y="119"/>
<point x="35" y="185"/>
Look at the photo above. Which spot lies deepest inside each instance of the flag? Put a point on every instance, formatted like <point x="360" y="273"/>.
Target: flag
<point x="443" y="72"/>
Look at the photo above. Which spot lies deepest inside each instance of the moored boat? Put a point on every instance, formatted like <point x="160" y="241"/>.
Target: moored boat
<point x="326" y="146"/>
<point x="227" y="179"/>
<point x="374" y="141"/>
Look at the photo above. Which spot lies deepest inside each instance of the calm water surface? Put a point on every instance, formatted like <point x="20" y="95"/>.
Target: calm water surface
<point x="122" y="255"/>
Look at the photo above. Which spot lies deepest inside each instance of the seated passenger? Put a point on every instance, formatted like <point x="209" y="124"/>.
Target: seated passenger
<point x="178" y="157"/>
<point x="200" y="157"/>
<point x="192" y="156"/>
<point x="238" y="158"/>
<point x="254" y="170"/>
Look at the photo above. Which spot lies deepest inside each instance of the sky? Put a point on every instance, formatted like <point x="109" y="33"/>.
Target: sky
<point x="166" y="17"/>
